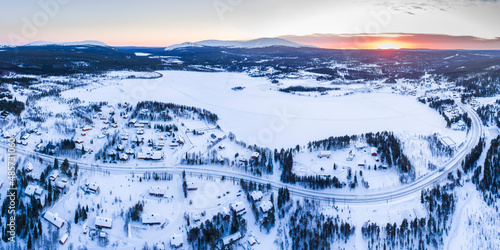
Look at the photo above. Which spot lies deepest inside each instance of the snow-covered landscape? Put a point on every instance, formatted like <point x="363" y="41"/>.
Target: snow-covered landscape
<point x="219" y="130"/>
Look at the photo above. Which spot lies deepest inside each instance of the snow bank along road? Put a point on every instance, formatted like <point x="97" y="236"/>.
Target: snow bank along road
<point x="405" y="191"/>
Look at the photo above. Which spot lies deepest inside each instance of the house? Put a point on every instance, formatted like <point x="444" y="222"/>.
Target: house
<point x="93" y="187"/>
<point x="191" y="186"/>
<point x="176" y="241"/>
<point x="256" y="196"/>
<point x="266" y="206"/>
<point x="120" y="147"/>
<point x="324" y="154"/>
<point x="33" y="190"/>
<point x="360" y="145"/>
<point x="221" y="147"/>
<point x="61" y="185"/>
<point x="144" y="122"/>
<point x="54" y="219"/>
<point x="83" y="134"/>
<point x="151" y="219"/>
<point x="25" y="136"/>
<point x="125" y="137"/>
<point x="238" y="207"/>
<point x="231" y="239"/>
<point x="111" y="153"/>
<point x="251" y="241"/>
<point x="54" y="175"/>
<point x="34" y="176"/>
<point x="129" y="151"/>
<point x="63" y="239"/>
<point x="103" y="222"/>
<point x="133" y="121"/>
<point x="24" y="142"/>
<point x="157" y="155"/>
<point x="29" y="167"/>
<point x="103" y="235"/>
<point x="157" y="191"/>
<point x="224" y="211"/>
<point x="79" y="140"/>
<point x="138" y="125"/>
<point x="87" y="128"/>
<point x="114" y="125"/>
<point x="255" y="155"/>
<point x="374" y="151"/>
<point x="361" y="163"/>
<point x="140" y="131"/>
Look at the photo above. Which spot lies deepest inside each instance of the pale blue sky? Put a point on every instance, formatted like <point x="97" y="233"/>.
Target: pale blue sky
<point x="166" y="22"/>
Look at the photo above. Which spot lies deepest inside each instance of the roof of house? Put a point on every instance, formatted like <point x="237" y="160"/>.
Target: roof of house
<point x="231" y="238"/>
<point x="53" y="219"/>
<point x="256" y="195"/>
<point x="238" y="206"/>
<point x="151" y="218"/>
<point x="266" y="206"/>
<point x="176" y="240"/>
<point x="103" y="222"/>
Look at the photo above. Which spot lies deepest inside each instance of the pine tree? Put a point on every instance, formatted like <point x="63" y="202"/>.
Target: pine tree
<point x="30" y="243"/>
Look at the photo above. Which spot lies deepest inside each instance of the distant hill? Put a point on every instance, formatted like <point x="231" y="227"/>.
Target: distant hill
<point x="256" y="43"/>
<point x="87" y="42"/>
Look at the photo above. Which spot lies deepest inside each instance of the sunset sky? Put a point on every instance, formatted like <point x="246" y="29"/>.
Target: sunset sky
<point x="363" y="24"/>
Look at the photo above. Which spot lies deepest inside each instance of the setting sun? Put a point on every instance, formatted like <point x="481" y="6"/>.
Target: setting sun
<point x="386" y="46"/>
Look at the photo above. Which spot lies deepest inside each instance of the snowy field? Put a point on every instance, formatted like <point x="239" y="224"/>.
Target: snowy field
<point x="257" y="114"/>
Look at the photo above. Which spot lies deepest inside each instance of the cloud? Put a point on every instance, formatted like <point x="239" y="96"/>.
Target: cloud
<point x="403" y="40"/>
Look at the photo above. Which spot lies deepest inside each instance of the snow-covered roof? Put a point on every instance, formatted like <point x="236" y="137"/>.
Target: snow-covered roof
<point x="266" y="206"/>
<point x="29" y="167"/>
<point x="176" y="240"/>
<point x="238" y="206"/>
<point x="103" y="222"/>
<point x="231" y="238"/>
<point x="256" y="195"/>
<point x="53" y="219"/>
<point x="93" y="186"/>
<point x="157" y="190"/>
<point x="33" y="190"/>
<point x="255" y="154"/>
<point x="151" y="218"/>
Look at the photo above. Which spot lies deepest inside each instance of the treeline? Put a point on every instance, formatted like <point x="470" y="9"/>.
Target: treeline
<point x="419" y="233"/>
<point x="292" y="89"/>
<point x="489" y="114"/>
<point x="389" y="148"/>
<point x="161" y="111"/>
<point x="331" y="143"/>
<point x="15" y="107"/>
<point x="486" y="84"/>
<point x="209" y="234"/>
<point x="313" y="230"/>
<point x="490" y="181"/>
<point x="470" y="161"/>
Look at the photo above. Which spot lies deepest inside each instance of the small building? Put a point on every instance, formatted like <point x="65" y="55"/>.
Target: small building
<point x="256" y="195"/>
<point x="151" y="219"/>
<point x="54" y="219"/>
<point x="103" y="222"/>
<point x="239" y="208"/>
<point x="374" y="151"/>
<point x="138" y="125"/>
<point x="129" y="151"/>
<point x="29" y="167"/>
<point x="93" y="187"/>
<point x="140" y="131"/>
<point x="224" y="211"/>
<point x="54" y="175"/>
<point x="64" y="239"/>
<point x="24" y="142"/>
<point x="26" y="136"/>
<point x="33" y="190"/>
<point x="325" y="154"/>
<point x="157" y="191"/>
<point x="100" y="136"/>
<point x="144" y="122"/>
<point x="132" y="121"/>
<point x="120" y="147"/>
<point x="88" y="128"/>
<point x="231" y="239"/>
<point x="103" y="235"/>
<point x="61" y="185"/>
<point x="79" y="140"/>
<point x="111" y="153"/>
<point x="266" y="206"/>
<point x="361" y="163"/>
<point x="251" y="241"/>
<point x="176" y="241"/>
<point x="157" y="155"/>
<point x="191" y="186"/>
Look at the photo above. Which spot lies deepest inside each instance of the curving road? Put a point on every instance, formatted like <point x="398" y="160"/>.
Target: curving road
<point x="368" y="197"/>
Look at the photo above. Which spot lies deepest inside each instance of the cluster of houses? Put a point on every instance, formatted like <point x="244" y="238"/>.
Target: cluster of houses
<point x="265" y="206"/>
